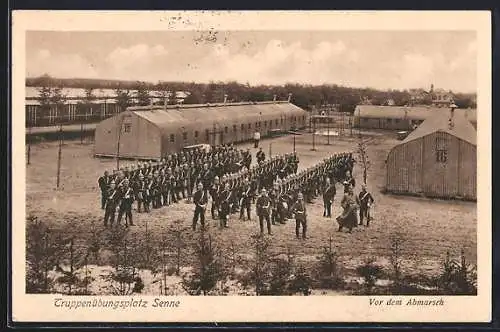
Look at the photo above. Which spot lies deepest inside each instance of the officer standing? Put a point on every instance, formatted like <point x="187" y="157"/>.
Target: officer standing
<point x="299" y="210"/>
<point x="365" y="202"/>
<point x="256" y="139"/>
<point x="264" y="211"/>
<point x="110" y="205"/>
<point x="140" y="192"/>
<point x="225" y="205"/>
<point x="103" y="185"/>
<point x="261" y="156"/>
<point x="215" y="193"/>
<point x="246" y="200"/>
<point x="127" y="199"/>
<point x="328" y="194"/>
<point x="200" y="200"/>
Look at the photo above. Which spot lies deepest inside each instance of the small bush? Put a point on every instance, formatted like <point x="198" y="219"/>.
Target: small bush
<point x="370" y="272"/>
<point x="328" y="270"/>
<point x="457" y="277"/>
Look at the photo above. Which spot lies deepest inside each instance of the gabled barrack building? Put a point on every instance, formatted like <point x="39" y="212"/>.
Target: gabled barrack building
<point x="151" y="132"/>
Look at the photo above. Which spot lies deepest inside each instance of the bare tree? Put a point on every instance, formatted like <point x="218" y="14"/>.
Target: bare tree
<point x="363" y="157"/>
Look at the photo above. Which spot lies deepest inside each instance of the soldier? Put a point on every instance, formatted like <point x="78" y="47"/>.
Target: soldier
<point x="193" y="176"/>
<point x="348" y="218"/>
<point x="274" y="205"/>
<point x="282" y="206"/>
<point x="225" y="205"/>
<point x="200" y="200"/>
<point x="256" y="139"/>
<point x="264" y="210"/>
<point x="295" y="162"/>
<point x="365" y="200"/>
<point x="245" y="200"/>
<point x="163" y="188"/>
<point x="299" y="210"/>
<point x="110" y="205"/>
<point x="215" y="192"/>
<point x="261" y="156"/>
<point x="206" y="177"/>
<point x="140" y="189"/>
<point x="156" y="191"/>
<point x="329" y="192"/>
<point x="186" y="193"/>
<point x="247" y="159"/>
<point x="148" y="193"/>
<point x="178" y="183"/>
<point x="104" y="182"/>
<point x="127" y="197"/>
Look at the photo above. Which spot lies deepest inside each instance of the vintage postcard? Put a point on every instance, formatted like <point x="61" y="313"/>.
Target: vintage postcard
<point x="273" y="166"/>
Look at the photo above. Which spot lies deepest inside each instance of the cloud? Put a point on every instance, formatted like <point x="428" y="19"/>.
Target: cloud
<point x="134" y="57"/>
<point x="59" y="65"/>
<point x="369" y="63"/>
<point x="276" y="62"/>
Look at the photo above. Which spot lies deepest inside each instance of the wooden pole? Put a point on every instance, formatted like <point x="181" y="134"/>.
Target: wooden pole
<point x="314" y="136"/>
<point x="59" y="156"/>
<point x="294" y="142"/>
<point x="29" y="144"/>
<point x="328" y="129"/>
<point x="270" y="145"/>
<point x="81" y="133"/>
<point x="118" y="145"/>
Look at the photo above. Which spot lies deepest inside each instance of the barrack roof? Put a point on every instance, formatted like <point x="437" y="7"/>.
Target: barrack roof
<point x="462" y="128"/>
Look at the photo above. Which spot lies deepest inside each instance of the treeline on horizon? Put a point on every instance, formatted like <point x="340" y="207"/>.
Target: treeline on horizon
<point x="303" y="95"/>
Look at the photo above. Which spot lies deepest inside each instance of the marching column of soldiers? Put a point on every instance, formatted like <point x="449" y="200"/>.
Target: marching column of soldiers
<point x="221" y="172"/>
<point x="287" y="196"/>
<point x="227" y="181"/>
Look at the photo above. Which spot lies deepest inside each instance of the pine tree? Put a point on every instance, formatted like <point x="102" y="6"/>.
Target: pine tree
<point x="143" y="96"/>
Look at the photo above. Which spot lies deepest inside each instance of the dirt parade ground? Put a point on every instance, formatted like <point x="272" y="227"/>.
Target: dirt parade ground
<point x="428" y="228"/>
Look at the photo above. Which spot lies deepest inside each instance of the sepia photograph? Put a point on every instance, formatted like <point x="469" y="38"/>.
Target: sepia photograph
<point x="217" y="160"/>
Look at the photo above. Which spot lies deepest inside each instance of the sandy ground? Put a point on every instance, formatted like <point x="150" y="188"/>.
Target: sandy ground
<point x="428" y="227"/>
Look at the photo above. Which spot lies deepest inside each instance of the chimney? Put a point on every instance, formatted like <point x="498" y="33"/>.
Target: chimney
<point x="289" y="97"/>
<point x="274" y="98"/>
<point x="225" y="98"/>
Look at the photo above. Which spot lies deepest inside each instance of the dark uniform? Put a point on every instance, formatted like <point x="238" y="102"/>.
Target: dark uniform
<point x="328" y="194"/>
<point x="112" y="198"/>
<point x="299" y="210"/>
<point x="245" y="202"/>
<point x="365" y="200"/>
<point x="140" y="191"/>
<point x="200" y="200"/>
<point x="104" y="182"/>
<point x="263" y="211"/>
<point x="261" y="156"/>
<point x="127" y="198"/>
<point x="225" y="206"/>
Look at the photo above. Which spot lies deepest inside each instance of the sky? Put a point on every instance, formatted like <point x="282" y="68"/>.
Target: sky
<point x="376" y="59"/>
